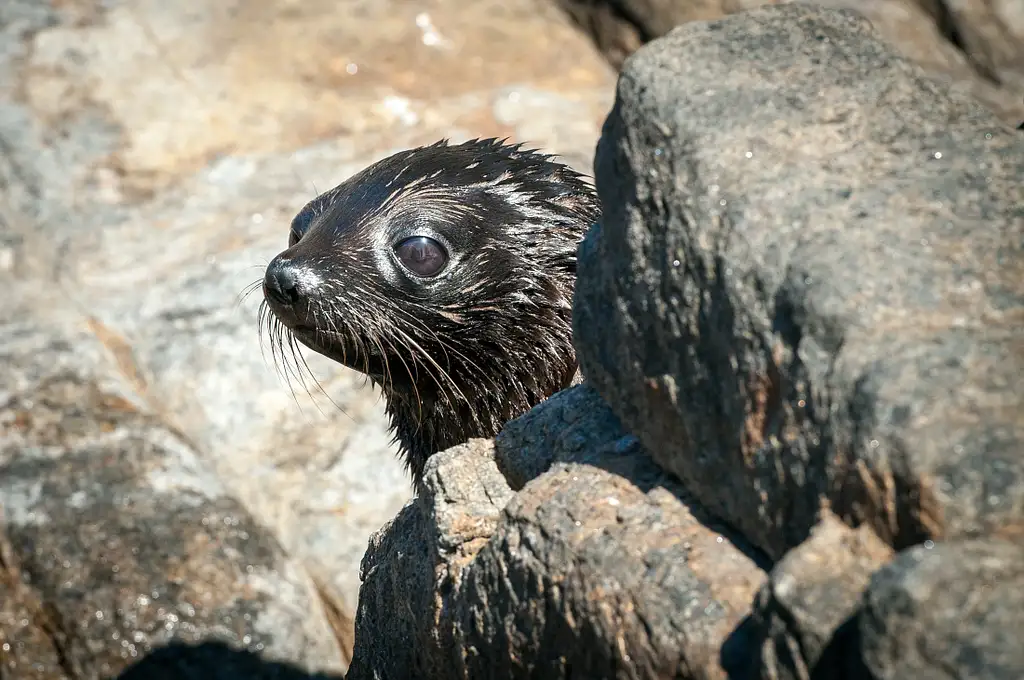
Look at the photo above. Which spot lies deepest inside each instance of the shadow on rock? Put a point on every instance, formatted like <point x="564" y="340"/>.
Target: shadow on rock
<point x="577" y="427"/>
<point x="213" y="661"/>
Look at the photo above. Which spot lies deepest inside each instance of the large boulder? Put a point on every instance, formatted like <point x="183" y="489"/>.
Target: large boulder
<point x="946" y="609"/>
<point x="806" y="286"/>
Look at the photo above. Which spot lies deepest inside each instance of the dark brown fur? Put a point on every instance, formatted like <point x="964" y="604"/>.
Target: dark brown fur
<point x="460" y="355"/>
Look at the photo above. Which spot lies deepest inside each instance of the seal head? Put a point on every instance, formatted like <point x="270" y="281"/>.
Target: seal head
<point x="445" y="273"/>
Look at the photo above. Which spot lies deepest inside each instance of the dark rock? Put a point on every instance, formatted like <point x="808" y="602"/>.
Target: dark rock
<point x="214" y="661"/>
<point x="807" y="285"/>
<point x="413" y="563"/>
<point x="812" y="594"/>
<point x="590" y="575"/>
<point x="597" y="568"/>
<point x="576" y="427"/>
<point x="948" y="610"/>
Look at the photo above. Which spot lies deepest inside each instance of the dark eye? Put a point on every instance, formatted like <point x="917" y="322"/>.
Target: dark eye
<point x="300" y="225"/>
<point x="422" y="256"/>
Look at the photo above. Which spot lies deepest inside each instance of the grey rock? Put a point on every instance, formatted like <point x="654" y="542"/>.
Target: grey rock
<point x="599" y="567"/>
<point x="948" y="610"/>
<point x="805" y="615"/>
<point x="806" y="286"/>
<point x="575" y="427"/>
<point x="114" y="538"/>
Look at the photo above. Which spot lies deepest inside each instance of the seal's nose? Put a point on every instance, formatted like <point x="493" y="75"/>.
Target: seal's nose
<point x="281" y="282"/>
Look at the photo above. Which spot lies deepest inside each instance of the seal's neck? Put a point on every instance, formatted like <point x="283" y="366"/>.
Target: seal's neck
<point x="426" y="423"/>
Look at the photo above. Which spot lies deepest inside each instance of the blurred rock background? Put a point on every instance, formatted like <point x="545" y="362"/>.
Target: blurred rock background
<point x="975" y="46"/>
<point x="151" y="157"/>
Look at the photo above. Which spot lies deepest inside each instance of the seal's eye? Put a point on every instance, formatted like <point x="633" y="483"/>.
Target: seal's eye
<point x="300" y="224"/>
<point x="422" y="256"/>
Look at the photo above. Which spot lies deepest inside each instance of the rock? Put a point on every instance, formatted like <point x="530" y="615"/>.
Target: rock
<point x="577" y="426"/>
<point x="806" y="286"/>
<point x="151" y="158"/>
<point x="806" y="612"/>
<point x="975" y="47"/>
<point x="614" y="22"/>
<point x="204" y="83"/>
<point x="755" y="376"/>
<point x="599" y="567"/>
<point x="413" y="563"/>
<point x="947" y="610"/>
<point x="114" y="538"/>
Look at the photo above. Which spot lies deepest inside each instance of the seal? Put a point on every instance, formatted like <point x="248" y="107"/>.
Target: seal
<point x="444" y="273"/>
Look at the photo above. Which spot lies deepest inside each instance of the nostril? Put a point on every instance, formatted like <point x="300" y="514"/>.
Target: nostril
<point x="281" y="282"/>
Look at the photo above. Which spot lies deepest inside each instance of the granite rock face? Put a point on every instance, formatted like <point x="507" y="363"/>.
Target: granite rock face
<point x="797" y="452"/>
<point x="973" y="47"/>
<point x="807" y="283"/>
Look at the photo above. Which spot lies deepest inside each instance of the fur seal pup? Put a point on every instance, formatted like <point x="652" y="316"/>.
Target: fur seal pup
<point x="445" y="273"/>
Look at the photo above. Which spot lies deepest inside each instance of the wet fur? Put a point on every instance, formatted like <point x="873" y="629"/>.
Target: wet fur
<point x="459" y="356"/>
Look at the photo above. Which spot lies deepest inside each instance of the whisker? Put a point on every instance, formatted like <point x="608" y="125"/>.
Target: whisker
<point x="412" y="379"/>
<point x="247" y="291"/>
<point x="420" y="325"/>
<point x="275" y="334"/>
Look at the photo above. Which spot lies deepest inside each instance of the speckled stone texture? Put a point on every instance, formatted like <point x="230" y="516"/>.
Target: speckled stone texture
<point x="115" y="538"/>
<point x="947" y="610"/>
<point x="809" y="280"/>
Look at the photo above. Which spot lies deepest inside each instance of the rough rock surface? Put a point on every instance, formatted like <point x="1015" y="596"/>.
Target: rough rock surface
<point x="946" y="610"/>
<point x="600" y="567"/>
<point x="806" y="612"/>
<point x="115" y="538"/>
<point x="807" y="284"/>
<point x="151" y="157"/>
<point x="976" y="47"/>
